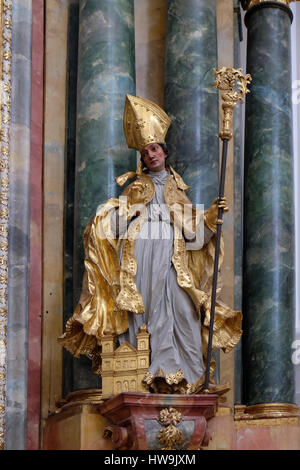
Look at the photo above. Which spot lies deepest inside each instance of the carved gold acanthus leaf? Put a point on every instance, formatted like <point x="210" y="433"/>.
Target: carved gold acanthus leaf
<point x="233" y="86"/>
<point x="233" y="83"/>
<point x="247" y="4"/>
<point x="170" y="436"/>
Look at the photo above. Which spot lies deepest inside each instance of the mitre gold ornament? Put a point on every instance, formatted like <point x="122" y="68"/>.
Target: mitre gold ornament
<point x="144" y="122"/>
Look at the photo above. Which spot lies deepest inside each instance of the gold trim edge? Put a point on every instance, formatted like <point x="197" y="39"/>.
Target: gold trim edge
<point x="266" y="422"/>
<point x="87" y="395"/>
<point x="272" y="408"/>
<point x="266" y="414"/>
<point x="91" y="396"/>
<point x="5" y="99"/>
<point x="247" y="4"/>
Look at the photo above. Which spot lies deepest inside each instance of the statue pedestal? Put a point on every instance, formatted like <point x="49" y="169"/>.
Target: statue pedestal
<point x="84" y="421"/>
<point x="143" y="421"/>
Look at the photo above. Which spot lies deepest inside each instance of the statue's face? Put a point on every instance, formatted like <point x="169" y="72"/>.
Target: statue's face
<point x="154" y="157"/>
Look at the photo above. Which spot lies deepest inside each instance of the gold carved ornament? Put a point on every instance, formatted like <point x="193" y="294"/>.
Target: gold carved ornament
<point x="5" y="97"/>
<point x="233" y="85"/>
<point x="170" y="436"/>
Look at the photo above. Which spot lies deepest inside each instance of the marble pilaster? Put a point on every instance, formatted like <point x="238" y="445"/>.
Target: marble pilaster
<point x="68" y="305"/>
<point x="36" y="228"/>
<point x="19" y="227"/>
<point x="106" y="72"/>
<point x="190" y="100"/>
<point x="150" y="32"/>
<point x="55" y="78"/>
<point x="268" y="209"/>
<point x="225" y="24"/>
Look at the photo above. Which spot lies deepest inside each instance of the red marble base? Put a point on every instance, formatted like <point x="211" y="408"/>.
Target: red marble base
<point x="138" y="420"/>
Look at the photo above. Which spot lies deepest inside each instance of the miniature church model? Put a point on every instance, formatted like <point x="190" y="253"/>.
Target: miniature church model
<point x="124" y="368"/>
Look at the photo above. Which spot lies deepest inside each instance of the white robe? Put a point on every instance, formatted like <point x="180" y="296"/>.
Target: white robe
<point x="170" y="315"/>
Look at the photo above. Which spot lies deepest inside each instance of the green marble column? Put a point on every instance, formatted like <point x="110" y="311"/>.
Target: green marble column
<point x="268" y="304"/>
<point x="238" y="205"/>
<point x="106" y="72"/>
<point x="73" y="27"/>
<point x="190" y="100"/>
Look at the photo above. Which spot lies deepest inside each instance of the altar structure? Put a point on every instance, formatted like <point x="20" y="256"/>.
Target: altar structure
<point x="66" y="67"/>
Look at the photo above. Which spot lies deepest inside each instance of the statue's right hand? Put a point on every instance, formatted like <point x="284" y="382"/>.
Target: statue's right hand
<point x="136" y="193"/>
<point x="133" y="202"/>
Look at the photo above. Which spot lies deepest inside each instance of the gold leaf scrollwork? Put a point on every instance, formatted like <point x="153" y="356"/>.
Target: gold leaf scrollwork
<point x="233" y="85"/>
<point x="170" y="436"/>
<point x="5" y="111"/>
<point x="233" y="82"/>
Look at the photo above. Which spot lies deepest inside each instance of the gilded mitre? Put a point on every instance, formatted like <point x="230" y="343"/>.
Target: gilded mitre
<point x="144" y="122"/>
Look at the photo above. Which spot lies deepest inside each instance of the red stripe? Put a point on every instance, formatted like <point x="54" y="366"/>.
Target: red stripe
<point x="36" y="228"/>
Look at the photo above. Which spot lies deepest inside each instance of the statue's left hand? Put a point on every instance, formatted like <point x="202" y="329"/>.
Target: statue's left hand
<point x="211" y="216"/>
<point x="222" y="202"/>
